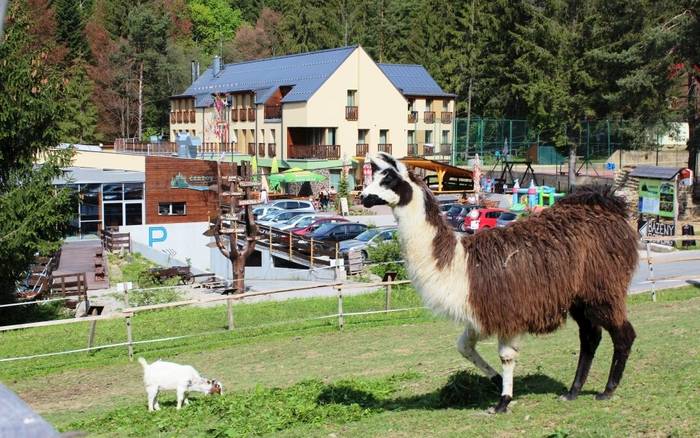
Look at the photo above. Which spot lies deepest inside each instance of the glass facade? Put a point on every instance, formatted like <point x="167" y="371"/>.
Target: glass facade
<point x="106" y="205"/>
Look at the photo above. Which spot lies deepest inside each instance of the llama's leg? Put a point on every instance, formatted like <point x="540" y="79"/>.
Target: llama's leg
<point x="180" y="397"/>
<point x="622" y="338"/>
<point x="508" y="352"/>
<point x="589" y="336"/>
<point x="152" y="392"/>
<point x="466" y="344"/>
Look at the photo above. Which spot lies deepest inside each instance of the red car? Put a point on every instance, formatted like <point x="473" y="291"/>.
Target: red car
<point x="320" y="220"/>
<point x="480" y="219"/>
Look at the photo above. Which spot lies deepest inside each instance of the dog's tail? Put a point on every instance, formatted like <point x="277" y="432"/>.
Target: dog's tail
<point x="143" y="362"/>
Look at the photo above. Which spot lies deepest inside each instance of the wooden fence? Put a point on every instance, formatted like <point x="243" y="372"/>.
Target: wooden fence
<point x="113" y="240"/>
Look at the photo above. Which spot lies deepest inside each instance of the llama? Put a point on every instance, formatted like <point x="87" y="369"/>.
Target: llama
<point x="576" y="258"/>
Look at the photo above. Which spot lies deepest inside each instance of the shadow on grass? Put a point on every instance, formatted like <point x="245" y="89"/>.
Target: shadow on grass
<point x="462" y="390"/>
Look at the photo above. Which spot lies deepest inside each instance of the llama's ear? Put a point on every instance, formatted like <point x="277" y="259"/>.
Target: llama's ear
<point x="394" y="163"/>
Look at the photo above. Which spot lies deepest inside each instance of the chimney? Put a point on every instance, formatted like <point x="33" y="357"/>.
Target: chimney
<point x="194" y="70"/>
<point x="216" y="66"/>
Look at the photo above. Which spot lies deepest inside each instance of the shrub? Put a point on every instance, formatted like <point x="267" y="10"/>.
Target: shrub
<point x="387" y="251"/>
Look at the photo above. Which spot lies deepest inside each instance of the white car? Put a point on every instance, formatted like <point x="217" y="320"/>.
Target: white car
<point x="279" y="218"/>
<point x="301" y="221"/>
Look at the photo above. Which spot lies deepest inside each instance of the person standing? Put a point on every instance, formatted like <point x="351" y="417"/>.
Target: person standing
<point x="323" y="198"/>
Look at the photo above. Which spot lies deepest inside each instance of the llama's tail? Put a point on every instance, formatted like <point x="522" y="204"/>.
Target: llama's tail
<point x="143" y="362"/>
<point x="602" y="197"/>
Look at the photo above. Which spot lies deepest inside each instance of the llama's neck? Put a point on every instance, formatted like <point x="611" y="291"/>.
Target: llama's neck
<point x="435" y="259"/>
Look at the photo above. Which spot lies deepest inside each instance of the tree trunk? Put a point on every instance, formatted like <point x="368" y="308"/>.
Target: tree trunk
<point x="572" y="166"/>
<point x="140" y="121"/>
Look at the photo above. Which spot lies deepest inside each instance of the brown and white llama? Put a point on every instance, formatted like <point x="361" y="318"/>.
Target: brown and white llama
<point x="575" y="258"/>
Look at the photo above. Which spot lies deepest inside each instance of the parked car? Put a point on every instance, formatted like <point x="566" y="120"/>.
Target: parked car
<point x="283" y="204"/>
<point x="444" y="208"/>
<point x="320" y="220"/>
<point x="280" y="218"/>
<point x="301" y="221"/>
<point x="259" y="212"/>
<point x="338" y="231"/>
<point x="456" y="214"/>
<point x="369" y="238"/>
<point x="507" y="218"/>
<point x="480" y="219"/>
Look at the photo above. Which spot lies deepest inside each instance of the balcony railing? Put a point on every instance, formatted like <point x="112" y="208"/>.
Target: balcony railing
<point x="261" y="149"/>
<point x="428" y="149"/>
<point x="384" y="147"/>
<point x="413" y="149"/>
<point x="271" y="150"/>
<point x="251" y="148"/>
<point x="251" y="114"/>
<point x="273" y="112"/>
<point x="351" y="113"/>
<point x="446" y="117"/>
<point x="429" y="117"/>
<point x="242" y="114"/>
<point x="446" y="149"/>
<point x="316" y="151"/>
<point x="234" y="115"/>
<point x="172" y="117"/>
<point x="361" y="149"/>
<point x="413" y="117"/>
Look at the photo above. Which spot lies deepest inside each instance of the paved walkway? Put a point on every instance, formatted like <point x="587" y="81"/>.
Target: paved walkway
<point x="79" y="256"/>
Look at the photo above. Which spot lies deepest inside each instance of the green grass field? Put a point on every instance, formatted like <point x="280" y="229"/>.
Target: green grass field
<point x="383" y="375"/>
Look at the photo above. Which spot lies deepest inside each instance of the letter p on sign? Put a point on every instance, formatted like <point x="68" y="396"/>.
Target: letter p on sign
<point x="156" y="234"/>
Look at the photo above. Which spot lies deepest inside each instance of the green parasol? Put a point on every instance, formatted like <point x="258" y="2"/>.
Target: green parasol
<point x="254" y="167"/>
<point x="295" y="175"/>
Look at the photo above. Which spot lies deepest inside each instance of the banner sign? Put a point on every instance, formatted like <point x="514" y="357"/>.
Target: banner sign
<point x="192" y="182"/>
<point x="657" y="197"/>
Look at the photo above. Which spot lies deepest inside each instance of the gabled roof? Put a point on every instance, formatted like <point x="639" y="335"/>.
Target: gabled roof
<point x="304" y="72"/>
<point x="654" y="172"/>
<point x="413" y="80"/>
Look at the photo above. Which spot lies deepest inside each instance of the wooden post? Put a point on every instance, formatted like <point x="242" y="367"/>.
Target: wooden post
<point x="229" y="313"/>
<point x="387" y="301"/>
<point x="91" y="334"/>
<point x="337" y="250"/>
<point x="129" y="338"/>
<point x="341" y="321"/>
<point x="311" y="254"/>
<point x="650" y="264"/>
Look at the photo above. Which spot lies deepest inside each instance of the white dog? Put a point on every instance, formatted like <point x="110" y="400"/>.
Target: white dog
<point x="182" y="378"/>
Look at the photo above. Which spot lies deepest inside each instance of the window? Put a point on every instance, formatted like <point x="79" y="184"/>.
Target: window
<point x="411" y="105"/>
<point x="445" y="137"/>
<point x="330" y="135"/>
<point x="133" y="214"/>
<point x="411" y="137"/>
<point x="113" y="214"/>
<point x="383" y="136"/>
<point x="133" y="191"/>
<point x="362" y="136"/>
<point x="172" y="209"/>
<point x="351" y="98"/>
<point x="272" y="135"/>
<point x="428" y="104"/>
<point x="445" y="106"/>
<point x="429" y="137"/>
<point x="112" y="192"/>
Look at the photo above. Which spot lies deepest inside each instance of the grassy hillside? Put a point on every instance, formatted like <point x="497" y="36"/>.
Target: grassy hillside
<point x="399" y="377"/>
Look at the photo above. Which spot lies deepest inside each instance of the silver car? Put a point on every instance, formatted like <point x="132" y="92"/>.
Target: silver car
<point x="277" y="218"/>
<point x="301" y="221"/>
<point x="369" y="238"/>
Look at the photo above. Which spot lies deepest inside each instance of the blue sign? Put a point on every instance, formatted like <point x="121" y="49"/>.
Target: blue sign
<point x="610" y="166"/>
<point x="153" y="238"/>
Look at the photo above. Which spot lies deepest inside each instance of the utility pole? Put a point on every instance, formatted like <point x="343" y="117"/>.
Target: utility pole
<point x="471" y="82"/>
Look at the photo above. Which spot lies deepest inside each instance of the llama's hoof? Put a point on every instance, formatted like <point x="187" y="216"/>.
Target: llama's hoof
<point x="502" y="405"/>
<point x="569" y="396"/>
<point x="497" y="380"/>
<point x="603" y="396"/>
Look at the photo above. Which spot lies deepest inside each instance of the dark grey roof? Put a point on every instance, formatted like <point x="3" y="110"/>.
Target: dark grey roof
<point x="655" y="172"/>
<point x="305" y="72"/>
<point x="413" y="80"/>
<point x="90" y="175"/>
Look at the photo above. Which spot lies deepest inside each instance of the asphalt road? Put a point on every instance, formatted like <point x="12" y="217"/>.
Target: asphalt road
<point x="663" y="270"/>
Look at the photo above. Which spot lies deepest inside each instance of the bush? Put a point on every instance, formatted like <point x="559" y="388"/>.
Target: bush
<point x="387" y="251"/>
<point x="150" y="296"/>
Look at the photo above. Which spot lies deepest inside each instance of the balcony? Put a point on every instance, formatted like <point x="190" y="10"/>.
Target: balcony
<point x="429" y="116"/>
<point x="413" y="149"/>
<point x="271" y="150"/>
<point x="242" y="114"/>
<point x="413" y="117"/>
<point x="351" y="113"/>
<point x="446" y="149"/>
<point x="261" y="149"/>
<point x="251" y="114"/>
<point x="384" y="147"/>
<point x="234" y="115"/>
<point x="446" y="117"/>
<point x="428" y="149"/>
<point x="172" y="117"/>
<point x="314" y="151"/>
<point x="361" y="149"/>
<point x="182" y="116"/>
<point x="251" y="148"/>
<point x="273" y="112"/>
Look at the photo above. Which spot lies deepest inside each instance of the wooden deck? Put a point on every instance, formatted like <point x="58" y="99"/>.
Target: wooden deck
<point x="79" y="256"/>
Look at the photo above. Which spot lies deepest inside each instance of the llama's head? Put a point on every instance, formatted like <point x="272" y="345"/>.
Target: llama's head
<point x="390" y="183"/>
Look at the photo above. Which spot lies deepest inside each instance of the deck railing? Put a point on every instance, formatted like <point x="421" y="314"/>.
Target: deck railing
<point x="315" y="151"/>
<point x="271" y="150"/>
<point x="351" y="113"/>
<point x="361" y="149"/>
<point x="413" y="116"/>
<point x="273" y="112"/>
<point x="429" y="117"/>
<point x="384" y="147"/>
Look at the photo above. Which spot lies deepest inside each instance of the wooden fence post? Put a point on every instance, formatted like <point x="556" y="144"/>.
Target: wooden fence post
<point x="341" y="321"/>
<point x="229" y="314"/>
<point x="651" y="273"/>
<point x="129" y="338"/>
<point x="91" y="334"/>
<point x="387" y="301"/>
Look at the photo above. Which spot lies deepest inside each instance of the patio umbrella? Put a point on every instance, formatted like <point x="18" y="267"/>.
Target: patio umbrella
<point x="294" y="175"/>
<point x="254" y="167"/>
<point x="275" y="167"/>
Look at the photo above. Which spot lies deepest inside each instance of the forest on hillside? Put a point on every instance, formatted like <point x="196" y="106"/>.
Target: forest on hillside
<point x="552" y="62"/>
